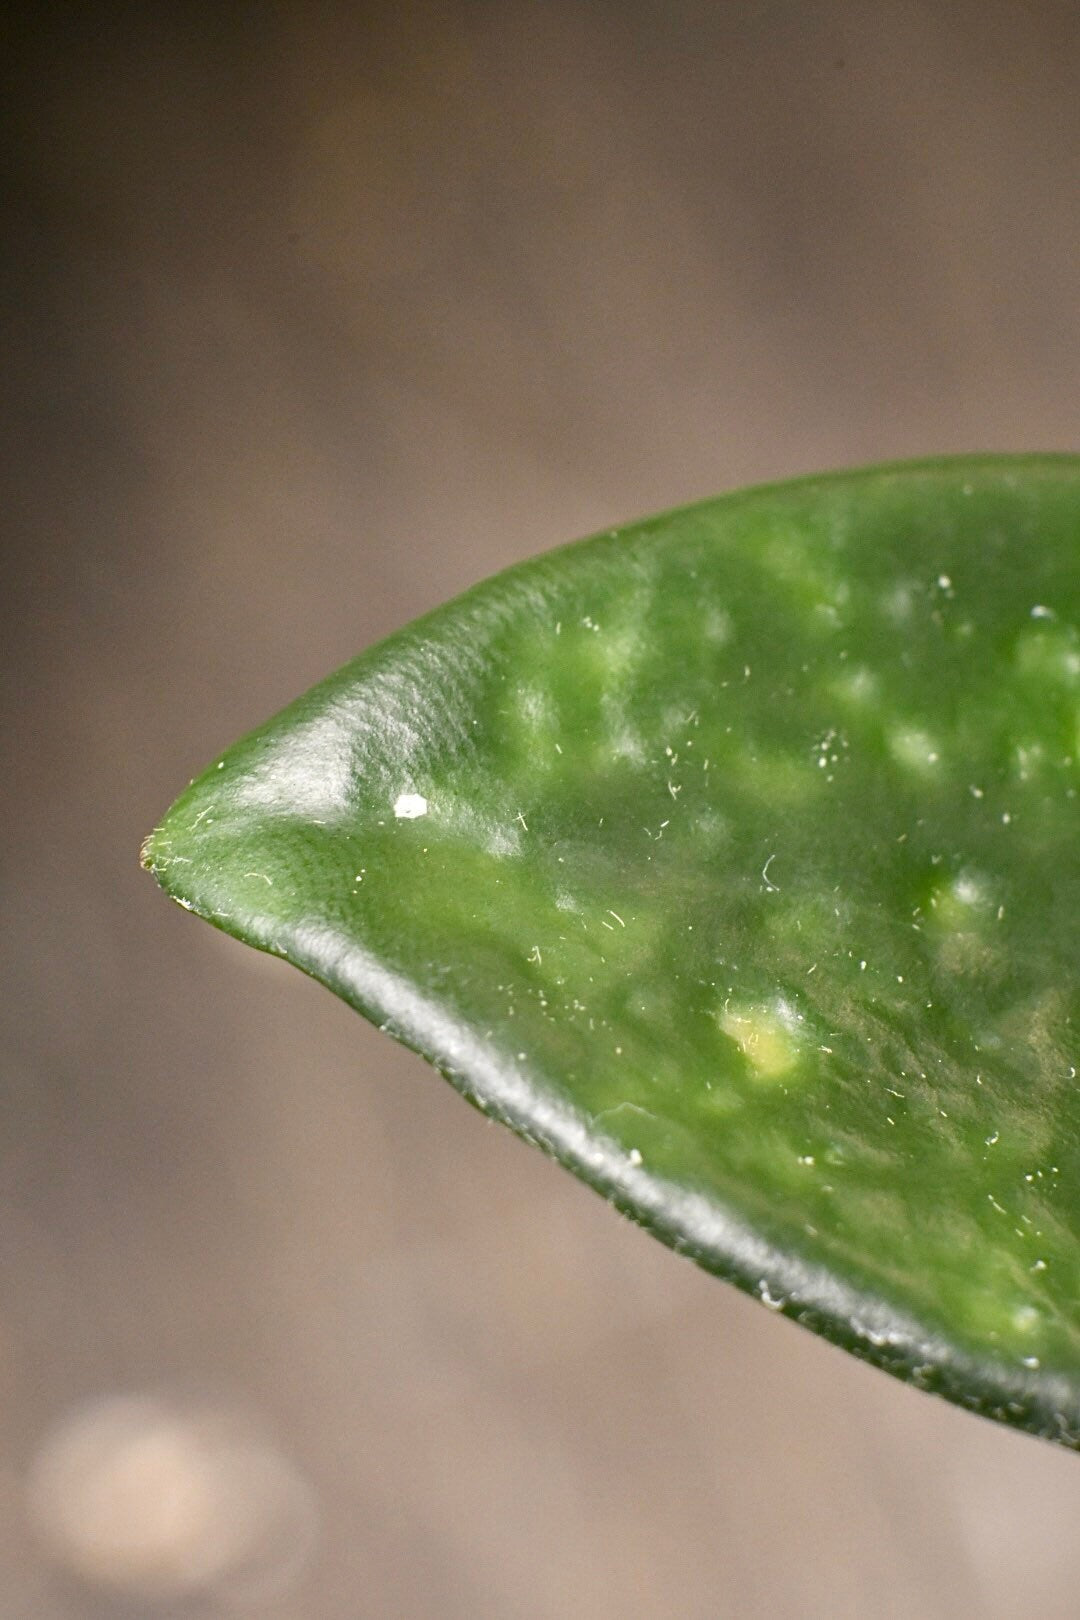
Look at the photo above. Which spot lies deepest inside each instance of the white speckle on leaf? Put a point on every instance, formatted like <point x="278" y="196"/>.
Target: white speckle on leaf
<point x="410" y="806"/>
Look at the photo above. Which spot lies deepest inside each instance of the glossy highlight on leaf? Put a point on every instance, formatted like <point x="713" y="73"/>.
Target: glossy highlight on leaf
<point x="731" y="857"/>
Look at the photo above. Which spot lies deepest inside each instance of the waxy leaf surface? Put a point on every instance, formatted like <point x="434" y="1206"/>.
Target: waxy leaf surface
<point x="731" y="857"/>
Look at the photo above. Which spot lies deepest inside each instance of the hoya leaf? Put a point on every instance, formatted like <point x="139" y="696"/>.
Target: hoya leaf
<point x="731" y="857"/>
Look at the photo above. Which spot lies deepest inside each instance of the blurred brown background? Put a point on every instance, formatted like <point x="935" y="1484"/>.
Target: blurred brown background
<point x="312" y="315"/>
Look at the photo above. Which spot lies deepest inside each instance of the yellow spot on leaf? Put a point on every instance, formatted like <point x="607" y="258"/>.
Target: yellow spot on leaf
<point x="765" y="1036"/>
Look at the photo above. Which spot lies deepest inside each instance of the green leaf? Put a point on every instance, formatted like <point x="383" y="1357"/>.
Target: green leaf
<point x="731" y="857"/>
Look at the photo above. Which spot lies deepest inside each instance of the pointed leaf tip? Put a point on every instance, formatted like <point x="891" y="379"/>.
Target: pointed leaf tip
<point x="732" y="858"/>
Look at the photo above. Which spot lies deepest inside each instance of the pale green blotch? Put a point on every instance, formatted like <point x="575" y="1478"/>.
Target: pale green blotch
<point x="717" y="627"/>
<point x="1028" y="759"/>
<point x="779" y="778"/>
<point x="710" y="830"/>
<point x="898" y="603"/>
<point x="612" y="640"/>
<point x="914" y="749"/>
<point x="456" y="820"/>
<point x="995" y="1306"/>
<point x="1049" y="654"/>
<point x="537" y="720"/>
<point x="610" y="645"/>
<point x="822" y="597"/>
<point x="858" y="687"/>
<point x="966" y="902"/>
